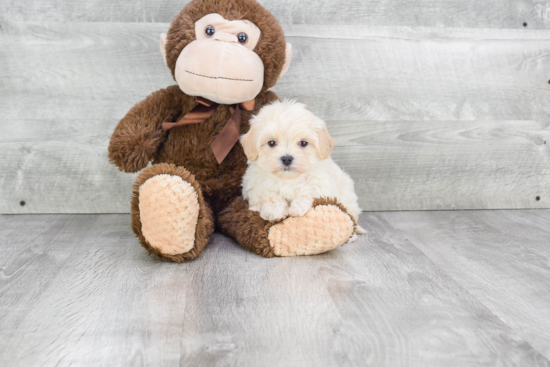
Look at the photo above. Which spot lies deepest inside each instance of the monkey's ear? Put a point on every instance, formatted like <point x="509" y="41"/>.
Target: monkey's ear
<point x="163" y="46"/>
<point x="326" y="143"/>
<point x="248" y="142"/>
<point x="288" y="57"/>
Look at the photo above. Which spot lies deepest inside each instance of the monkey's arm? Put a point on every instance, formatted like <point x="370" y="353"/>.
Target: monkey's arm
<point x="139" y="134"/>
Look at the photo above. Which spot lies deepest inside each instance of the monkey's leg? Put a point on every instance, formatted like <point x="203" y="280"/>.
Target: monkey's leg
<point x="169" y="215"/>
<point x="326" y="226"/>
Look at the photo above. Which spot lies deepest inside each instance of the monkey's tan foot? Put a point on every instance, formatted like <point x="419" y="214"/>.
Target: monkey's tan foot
<point x="321" y="229"/>
<point x="326" y="226"/>
<point x="169" y="215"/>
<point x="169" y="211"/>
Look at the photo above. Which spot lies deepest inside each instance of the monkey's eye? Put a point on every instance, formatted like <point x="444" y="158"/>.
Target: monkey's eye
<point x="271" y="143"/>
<point x="210" y="30"/>
<point x="303" y="144"/>
<point x="243" y="38"/>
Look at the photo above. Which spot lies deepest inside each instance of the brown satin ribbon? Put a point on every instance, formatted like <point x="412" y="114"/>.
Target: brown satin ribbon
<point x="202" y="111"/>
<point x="228" y="137"/>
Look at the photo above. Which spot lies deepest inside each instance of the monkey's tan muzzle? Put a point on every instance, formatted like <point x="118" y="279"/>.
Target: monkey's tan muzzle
<point x="220" y="70"/>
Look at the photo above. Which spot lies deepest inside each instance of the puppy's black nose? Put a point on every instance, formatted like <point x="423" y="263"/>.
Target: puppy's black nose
<point x="287" y="160"/>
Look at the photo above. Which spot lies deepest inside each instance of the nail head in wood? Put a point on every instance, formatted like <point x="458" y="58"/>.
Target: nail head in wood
<point x="22" y="203"/>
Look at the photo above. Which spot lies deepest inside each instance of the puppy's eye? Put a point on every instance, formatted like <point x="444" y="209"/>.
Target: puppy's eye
<point x="242" y="37"/>
<point x="271" y="143"/>
<point x="303" y="144"/>
<point x="210" y="30"/>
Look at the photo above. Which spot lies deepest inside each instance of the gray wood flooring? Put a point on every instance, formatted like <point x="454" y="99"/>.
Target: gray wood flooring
<point x="456" y="288"/>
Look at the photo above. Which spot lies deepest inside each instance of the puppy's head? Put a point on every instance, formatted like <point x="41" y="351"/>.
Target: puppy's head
<point x="286" y="139"/>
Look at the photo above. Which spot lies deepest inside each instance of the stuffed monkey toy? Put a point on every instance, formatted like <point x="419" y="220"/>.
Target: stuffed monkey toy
<point x="224" y="57"/>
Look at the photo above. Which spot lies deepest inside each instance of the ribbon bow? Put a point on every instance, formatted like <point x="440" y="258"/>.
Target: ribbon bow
<point x="228" y="137"/>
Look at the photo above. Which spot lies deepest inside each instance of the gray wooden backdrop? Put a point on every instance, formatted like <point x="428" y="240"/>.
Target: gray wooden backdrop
<point x="434" y="104"/>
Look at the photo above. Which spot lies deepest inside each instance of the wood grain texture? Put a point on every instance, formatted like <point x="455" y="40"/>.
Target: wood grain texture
<point x="342" y="73"/>
<point x="78" y="71"/>
<point x="448" y="13"/>
<point x="426" y="118"/>
<point x="399" y="73"/>
<point x="419" y="165"/>
<point x="504" y="251"/>
<point x="396" y="166"/>
<point x="59" y="166"/>
<point x="79" y="290"/>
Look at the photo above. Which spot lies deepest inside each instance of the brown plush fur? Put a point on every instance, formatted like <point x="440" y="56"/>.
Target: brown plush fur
<point x="247" y="227"/>
<point x="189" y="147"/>
<point x="138" y="136"/>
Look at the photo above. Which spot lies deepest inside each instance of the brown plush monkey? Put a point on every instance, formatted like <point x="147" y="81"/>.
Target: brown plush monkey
<point x="224" y="56"/>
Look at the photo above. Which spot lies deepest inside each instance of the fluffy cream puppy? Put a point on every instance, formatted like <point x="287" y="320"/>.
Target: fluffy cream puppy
<point x="289" y="164"/>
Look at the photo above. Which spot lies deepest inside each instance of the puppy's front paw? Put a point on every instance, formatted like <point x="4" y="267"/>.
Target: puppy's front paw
<point x="300" y="206"/>
<point x="254" y="207"/>
<point x="274" y="211"/>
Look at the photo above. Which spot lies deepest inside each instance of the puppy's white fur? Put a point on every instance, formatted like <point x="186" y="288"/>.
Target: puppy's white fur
<point x="277" y="190"/>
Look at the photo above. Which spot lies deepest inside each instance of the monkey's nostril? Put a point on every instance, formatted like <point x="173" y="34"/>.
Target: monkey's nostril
<point x="287" y="160"/>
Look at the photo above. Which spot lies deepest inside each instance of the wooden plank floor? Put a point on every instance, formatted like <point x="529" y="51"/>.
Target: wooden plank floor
<point x="457" y="288"/>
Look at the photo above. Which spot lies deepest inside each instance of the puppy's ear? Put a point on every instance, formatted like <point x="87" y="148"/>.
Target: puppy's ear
<point x="326" y="143"/>
<point x="250" y="146"/>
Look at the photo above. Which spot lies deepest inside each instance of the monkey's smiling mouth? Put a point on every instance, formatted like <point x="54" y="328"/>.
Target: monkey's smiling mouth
<point x="218" y="77"/>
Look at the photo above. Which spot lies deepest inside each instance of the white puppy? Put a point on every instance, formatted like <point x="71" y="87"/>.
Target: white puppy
<point x="288" y="150"/>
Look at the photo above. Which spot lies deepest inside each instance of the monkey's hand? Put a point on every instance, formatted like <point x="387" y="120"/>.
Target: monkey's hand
<point x="133" y="147"/>
<point x="139" y="134"/>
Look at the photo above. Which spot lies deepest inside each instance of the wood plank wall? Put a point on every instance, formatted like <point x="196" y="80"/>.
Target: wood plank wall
<point x="435" y="105"/>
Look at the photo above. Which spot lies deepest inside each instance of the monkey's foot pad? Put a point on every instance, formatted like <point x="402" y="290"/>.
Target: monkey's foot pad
<point x="169" y="210"/>
<point x="321" y="229"/>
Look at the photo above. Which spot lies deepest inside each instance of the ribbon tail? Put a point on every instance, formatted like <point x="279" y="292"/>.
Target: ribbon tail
<point x="228" y="137"/>
<point x="200" y="113"/>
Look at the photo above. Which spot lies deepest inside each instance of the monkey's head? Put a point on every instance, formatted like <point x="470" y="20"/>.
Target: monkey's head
<point x="225" y="51"/>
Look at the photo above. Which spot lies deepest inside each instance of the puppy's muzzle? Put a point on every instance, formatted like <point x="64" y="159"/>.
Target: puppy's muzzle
<point x="287" y="160"/>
